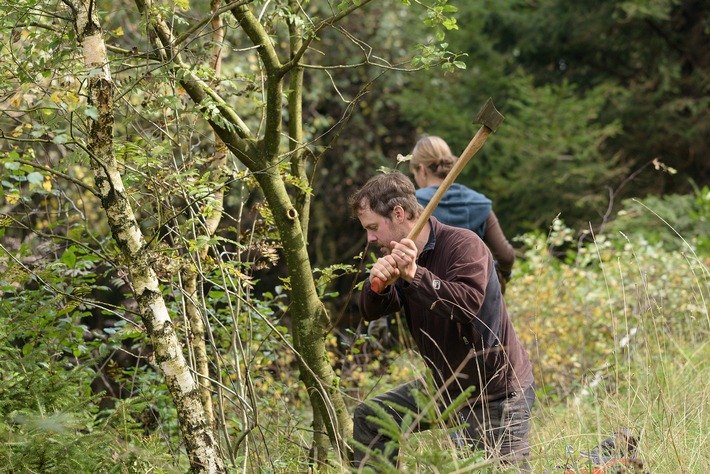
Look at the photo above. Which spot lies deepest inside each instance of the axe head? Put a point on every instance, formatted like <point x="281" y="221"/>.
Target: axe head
<point x="489" y="116"/>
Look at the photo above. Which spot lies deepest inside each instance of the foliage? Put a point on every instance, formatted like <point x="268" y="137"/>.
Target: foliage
<point x="591" y="96"/>
<point x="194" y="121"/>
<point x="67" y="307"/>
<point x="647" y="50"/>
<point x="601" y="321"/>
<point x="618" y="332"/>
<point x="50" y="421"/>
<point x="673" y="221"/>
<point x="578" y="314"/>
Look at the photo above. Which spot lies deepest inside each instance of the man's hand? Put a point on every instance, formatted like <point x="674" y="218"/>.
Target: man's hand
<point x="400" y="263"/>
<point x="385" y="269"/>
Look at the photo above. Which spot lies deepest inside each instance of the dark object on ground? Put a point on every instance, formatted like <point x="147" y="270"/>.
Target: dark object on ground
<point x="620" y="445"/>
<point x="614" y="455"/>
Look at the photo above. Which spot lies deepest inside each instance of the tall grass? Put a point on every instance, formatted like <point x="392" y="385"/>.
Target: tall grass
<point x="617" y="328"/>
<point x="619" y="334"/>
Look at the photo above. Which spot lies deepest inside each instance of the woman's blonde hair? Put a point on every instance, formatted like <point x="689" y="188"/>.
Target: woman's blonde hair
<point x="435" y="154"/>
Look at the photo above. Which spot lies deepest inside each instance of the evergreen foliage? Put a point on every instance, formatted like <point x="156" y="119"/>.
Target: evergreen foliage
<point x="592" y="95"/>
<point x="50" y="419"/>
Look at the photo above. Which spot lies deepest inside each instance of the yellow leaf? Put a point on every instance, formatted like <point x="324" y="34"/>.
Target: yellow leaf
<point x="79" y="171"/>
<point x="118" y="31"/>
<point x="16" y="99"/>
<point x="72" y="101"/>
<point x="12" y="198"/>
<point x="47" y="185"/>
<point x="183" y="4"/>
<point x="56" y="98"/>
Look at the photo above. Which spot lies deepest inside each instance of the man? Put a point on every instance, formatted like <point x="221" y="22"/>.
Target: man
<point x="445" y="282"/>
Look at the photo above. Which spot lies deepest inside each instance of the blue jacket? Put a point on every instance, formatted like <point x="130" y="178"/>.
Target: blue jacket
<point x="459" y="207"/>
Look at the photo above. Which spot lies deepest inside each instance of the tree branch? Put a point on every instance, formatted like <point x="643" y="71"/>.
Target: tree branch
<point x="322" y="25"/>
<point x="274" y="75"/>
<point x="84" y="186"/>
<point x="200" y="23"/>
<point x="233" y="131"/>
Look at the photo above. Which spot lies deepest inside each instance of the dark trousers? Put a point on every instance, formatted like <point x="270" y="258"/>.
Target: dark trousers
<point x="498" y="426"/>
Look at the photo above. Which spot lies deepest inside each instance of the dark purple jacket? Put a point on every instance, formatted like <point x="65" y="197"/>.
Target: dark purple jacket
<point x="457" y="316"/>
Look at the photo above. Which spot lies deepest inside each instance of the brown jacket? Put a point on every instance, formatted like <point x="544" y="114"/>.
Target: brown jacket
<point x="457" y="316"/>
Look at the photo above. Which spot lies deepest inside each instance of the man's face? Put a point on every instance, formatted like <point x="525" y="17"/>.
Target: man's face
<point x="380" y="230"/>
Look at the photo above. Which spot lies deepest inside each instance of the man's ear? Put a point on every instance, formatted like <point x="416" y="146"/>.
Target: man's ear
<point x="399" y="214"/>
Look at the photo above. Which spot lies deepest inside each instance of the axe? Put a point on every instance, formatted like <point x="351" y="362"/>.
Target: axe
<point x="490" y="119"/>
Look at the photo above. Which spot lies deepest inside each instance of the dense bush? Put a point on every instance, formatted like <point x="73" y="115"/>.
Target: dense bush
<point x="50" y="419"/>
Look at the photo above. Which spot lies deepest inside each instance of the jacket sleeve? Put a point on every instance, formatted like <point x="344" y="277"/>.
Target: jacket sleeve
<point x="459" y="292"/>
<point x="502" y="251"/>
<point x="374" y="306"/>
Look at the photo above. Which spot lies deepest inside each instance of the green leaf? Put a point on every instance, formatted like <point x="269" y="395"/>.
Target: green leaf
<point x="92" y="112"/>
<point x="35" y="177"/>
<point x="69" y="257"/>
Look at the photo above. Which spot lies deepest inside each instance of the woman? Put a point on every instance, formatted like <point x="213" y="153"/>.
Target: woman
<point x="460" y="206"/>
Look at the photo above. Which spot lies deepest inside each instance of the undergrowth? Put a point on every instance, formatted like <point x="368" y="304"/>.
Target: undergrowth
<point x="616" y="324"/>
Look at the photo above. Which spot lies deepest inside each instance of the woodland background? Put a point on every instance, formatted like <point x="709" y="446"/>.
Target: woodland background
<point x="178" y="262"/>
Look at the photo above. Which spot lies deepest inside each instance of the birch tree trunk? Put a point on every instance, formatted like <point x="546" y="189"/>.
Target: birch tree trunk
<point x="201" y="447"/>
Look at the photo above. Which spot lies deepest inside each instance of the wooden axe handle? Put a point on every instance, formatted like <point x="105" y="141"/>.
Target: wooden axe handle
<point x="476" y="143"/>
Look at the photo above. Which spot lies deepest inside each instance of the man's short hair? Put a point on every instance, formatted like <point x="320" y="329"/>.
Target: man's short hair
<point x="383" y="192"/>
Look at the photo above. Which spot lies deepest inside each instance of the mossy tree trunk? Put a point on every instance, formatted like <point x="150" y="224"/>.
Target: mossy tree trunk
<point x="262" y="154"/>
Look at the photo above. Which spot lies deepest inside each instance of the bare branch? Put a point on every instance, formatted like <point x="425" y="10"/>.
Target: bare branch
<point x="322" y="25"/>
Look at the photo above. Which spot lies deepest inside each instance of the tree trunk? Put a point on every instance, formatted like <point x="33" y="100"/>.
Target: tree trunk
<point x="262" y="156"/>
<point x="202" y="450"/>
<point x="310" y="320"/>
<point x="211" y="223"/>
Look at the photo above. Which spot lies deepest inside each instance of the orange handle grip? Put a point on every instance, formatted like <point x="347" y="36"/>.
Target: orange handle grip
<point x="377" y="285"/>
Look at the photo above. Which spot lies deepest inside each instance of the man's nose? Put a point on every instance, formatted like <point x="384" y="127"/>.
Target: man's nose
<point x="371" y="237"/>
